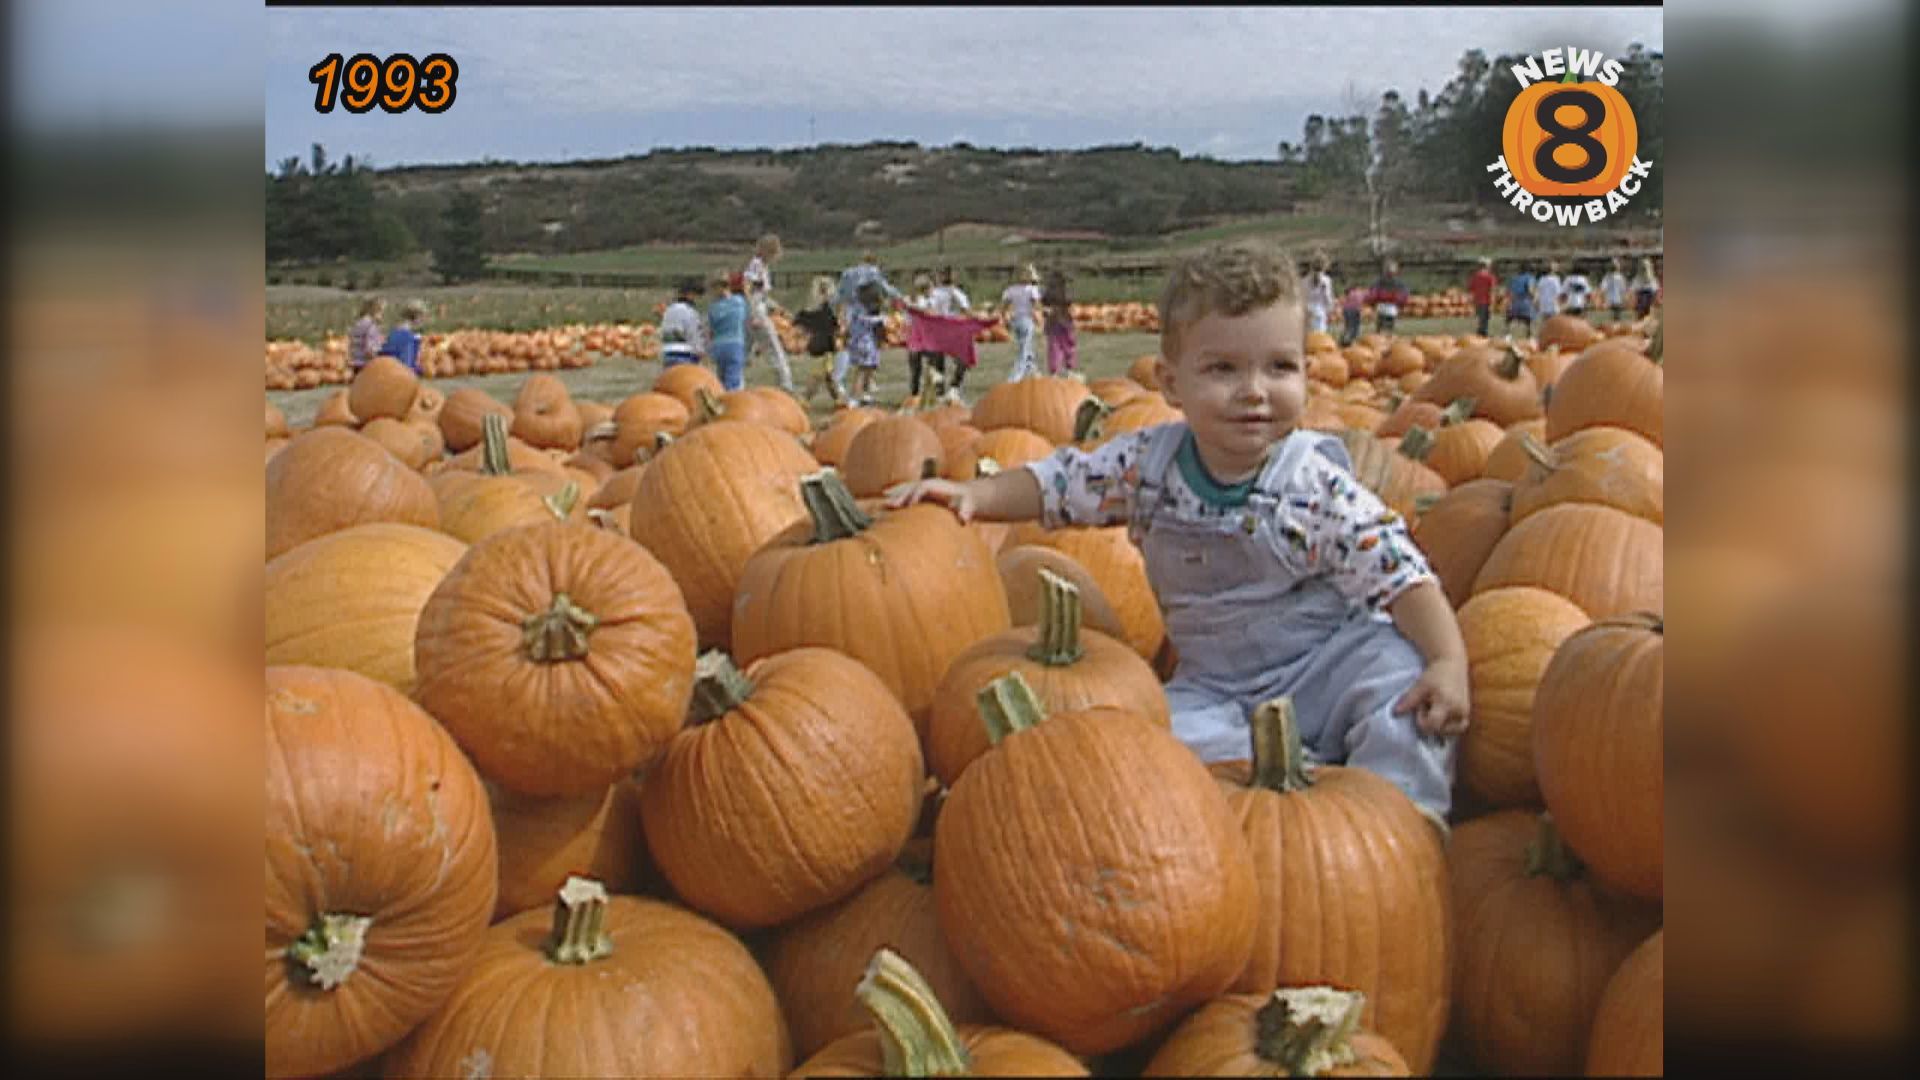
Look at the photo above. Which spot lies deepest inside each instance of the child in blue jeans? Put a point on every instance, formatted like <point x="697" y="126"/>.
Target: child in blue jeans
<point x="1277" y="572"/>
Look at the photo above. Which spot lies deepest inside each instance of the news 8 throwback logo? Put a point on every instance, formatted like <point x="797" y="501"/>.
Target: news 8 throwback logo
<point x="1569" y="143"/>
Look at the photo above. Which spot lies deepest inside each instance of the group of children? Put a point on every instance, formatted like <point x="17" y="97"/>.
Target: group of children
<point x="365" y="341"/>
<point x="1386" y="294"/>
<point x="1542" y="296"/>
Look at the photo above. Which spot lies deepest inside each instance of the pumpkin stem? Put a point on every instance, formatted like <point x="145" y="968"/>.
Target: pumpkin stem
<point x="929" y="468"/>
<point x="1548" y="854"/>
<point x="1426" y="502"/>
<point x="1570" y="77"/>
<point x="719" y="687"/>
<point x="711" y="408"/>
<point x="1059" y="641"/>
<point x="558" y="633"/>
<point x="1536" y="453"/>
<point x="1008" y="705"/>
<point x="1417" y="443"/>
<point x="1307" y="1030"/>
<point x="561" y="502"/>
<point x="580" y="923"/>
<point x="643" y="454"/>
<point x="835" y="515"/>
<point x="1657" y="348"/>
<point x="1459" y="411"/>
<point x="330" y="949"/>
<point x="1509" y="365"/>
<point x="916" y="1036"/>
<point x="494" y="460"/>
<point x="1279" y="756"/>
<point x="1089" y="418"/>
<point x="986" y="466"/>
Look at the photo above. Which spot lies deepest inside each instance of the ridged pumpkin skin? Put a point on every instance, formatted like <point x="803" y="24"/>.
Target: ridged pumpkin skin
<point x="1348" y="849"/>
<point x="414" y="444"/>
<point x="1629" y="1029"/>
<point x="1511" y="636"/>
<point x="371" y="811"/>
<point x="1503" y="389"/>
<point x="1535" y="943"/>
<point x="544" y="415"/>
<point x="1605" y="560"/>
<point x="904" y="596"/>
<point x="560" y="657"/>
<point x="385" y="387"/>
<point x="831" y="444"/>
<point x="1222" y="1038"/>
<point x="1599" y="727"/>
<point x="460" y="417"/>
<point x="521" y="458"/>
<point x="331" y="479"/>
<point x="677" y="996"/>
<point x="1118" y="566"/>
<point x="1608" y="466"/>
<point x="544" y="840"/>
<point x="1020" y="567"/>
<point x="815" y="962"/>
<point x="890" y="451"/>
<point x="1460" y="530"/>
<point x="640" y="419"/>
<point x="1508" y="461"/>
<point x="683" y="383"/>
<point x="1094" y="913"/>
<point x="709" y="501"/>
<point x="992" y="1051"/>
<point x="1008" y="447"/>
<point x="474" y="506"/>
<point x="1609" y="386"/>
<point x="618" y="489"/>
<point x="352" y="599"/>
<point x="1460" y="450"/>
<point x="1044" y="405"/>
<point x="1145" y="411"/>
<point x="785" y="753"/>
<point x="1391" y="472"/>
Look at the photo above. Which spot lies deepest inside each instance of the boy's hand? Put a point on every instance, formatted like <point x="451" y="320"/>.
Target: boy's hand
<point x="951" y="495"/>
<point x="1438" y="699"/>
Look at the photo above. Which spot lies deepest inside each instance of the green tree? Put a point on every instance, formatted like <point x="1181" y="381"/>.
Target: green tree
<point x="460" y="253"/>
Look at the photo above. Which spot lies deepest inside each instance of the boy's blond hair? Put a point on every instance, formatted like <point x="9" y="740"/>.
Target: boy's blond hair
<point x="1231" y="280"/>
<point x="413" y="311"/>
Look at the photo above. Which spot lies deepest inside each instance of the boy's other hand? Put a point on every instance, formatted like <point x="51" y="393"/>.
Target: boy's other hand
<point x="951" y="495"/>
<point x="1439" y="699"/>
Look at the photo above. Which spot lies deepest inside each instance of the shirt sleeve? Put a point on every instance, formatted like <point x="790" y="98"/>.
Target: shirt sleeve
<point x="1344" y="531"/>
<point x="1079" y="487"/>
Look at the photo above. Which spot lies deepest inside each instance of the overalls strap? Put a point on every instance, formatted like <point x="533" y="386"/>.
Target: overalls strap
<point x="1155" y="459"/>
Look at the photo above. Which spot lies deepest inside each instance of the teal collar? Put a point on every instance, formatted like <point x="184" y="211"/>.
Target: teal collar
<point x="1211" y="491"/>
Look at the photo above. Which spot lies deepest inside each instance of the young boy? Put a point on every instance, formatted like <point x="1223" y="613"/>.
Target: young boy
<point x="403" y="343"/>
<point x="821" y="327"/>
<point x="681" y="329"/>
<point x="1277" y="572"/>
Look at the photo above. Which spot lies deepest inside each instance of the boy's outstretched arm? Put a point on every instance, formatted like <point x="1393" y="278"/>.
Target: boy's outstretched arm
<point x="1012" y="495"/>
<point x="1439" y="698"/>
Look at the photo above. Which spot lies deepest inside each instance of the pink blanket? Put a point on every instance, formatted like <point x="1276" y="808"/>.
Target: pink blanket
<point x="952" y="335"/>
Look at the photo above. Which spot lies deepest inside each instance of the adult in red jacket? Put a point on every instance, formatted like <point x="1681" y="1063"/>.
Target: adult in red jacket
<point x="1481" y="286"/>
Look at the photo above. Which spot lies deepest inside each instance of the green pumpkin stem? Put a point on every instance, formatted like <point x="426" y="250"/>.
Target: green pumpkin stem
<point x="1090" y="418"/>
<point x="719" y="687"/>
<point x="1279" y="755"/>
<point x="580" y="923"/>
<point x="494" y="459"/>
<point x="1008" y="705"/>
<point x="1548" y="854"/>
<point x="835" y="515"/>
<point x="916" y="1036"/>
<point x="1417" y="443"/>
<point x="1059" y="641"/>
<point x="561" y="502"/>
<point x="1309" y="1029"/>
<point x="1459" y="411"/>
<point x="1426" y="502"/>
<point x="330" y="950"/>
<point x="711" y="407"/>
<point x="559" y="633"/>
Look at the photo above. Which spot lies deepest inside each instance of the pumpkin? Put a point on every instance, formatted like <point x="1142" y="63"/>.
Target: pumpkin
<point x="1145" y="371"/>
<point x="1395" y="473"/>
<point x="1605" y="465"/>
<point x="334" y="412"/>
<point x="1045" y="405"/>
<point x="1363" y="361"/>
<point x="460" y="417"/>
<point x="1460" y="449"/>
<point x="618" y="490"/>
<point x="331" y="479"/>
<point x="1008" y="448"/>
<point x="1397" y="358"/>
<point x="1569" y="332"/>
<point x="1498" y="381"/>
<point x="1328" y="367"/>
<point x="1097" y="914"/>
<point x="1411" y="413"/>
<point x="1115" y="391"/>
<point x="1298" y="1031"/>
<point x="426" y="407"/>
<point x="711" y="500"/>
<point x="1119" y="568"/>
<point x="815" y="962"/>
<point x="1069" y="668"/>
<point x="1458" y="530"/>
<point x="1319" y="838"/>
<point x="955" y="440"/>
<point x="1598" y="728"/>
<point x="640" y="420"/>
<point x="385" y="387"/>
<point x="1511" y="635"/>
<point x="1612" y="387"/>
<point x="830" y="446"/>
<point x="1605" y="560"/>
<point x="522" y="458"/>
<point x="276" y="422"/>
<point x="892" y="450"/>
<point x="474" y="506"/>
<point x="1607" y="122"/>
<point x="773" y="744"/>
<point x="544" y="415"/>
<point x="758" y="405"/>
<point x="352" y="599"/>
<point x="603" y="986"/>
<point x="904" y="593"/>
<point x="1628" y="1037"/>
<point x="1509" y="460"/>
<point x="912" y="1035"/>
<point x="1535" y="943"/>
<point x="412" y="444"/>
<point x="380" y="868"/>
<point x="1020" y="569"/>
<point x="1547" y="366"/>
<point x="683" y="382"/>
<point x="543" y="841"/>
<point x="560" y="656"/>
<point x="1147" y="410"/>
<point x="593" y="414"/>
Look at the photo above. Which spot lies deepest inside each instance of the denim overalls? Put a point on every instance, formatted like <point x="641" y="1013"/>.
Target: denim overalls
<point x="1251" y="625"/>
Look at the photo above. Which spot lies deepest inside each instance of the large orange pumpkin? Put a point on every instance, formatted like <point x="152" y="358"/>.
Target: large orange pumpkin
<point x="1094" y="913"/>
<point x="831" y="444"/>
<point x="1297" y="1031"/>
<point x="545" y="416"/>
<point x="416" y="445"/>
<point x="603" y="986"/>
<point x="1501" y="386"/>
<point x="1117" y="565"/>
<point x="1020" y="569"/>
<point x="475" y="505"/>
<point x="683" y="382"/>
<point x="1007" y="448"/>
<point x="461" y="415"/>
<point x="1511" y="636"/>
<point x="1395" y="473"/>
<point x="1609" y="386"/>
<point x="559" y="655"/>
<point x="1605" y="560"/>
<point x="1609" y="466"/>
<point x="380" y="868"/>
<point x="640" y="420"/>
<point x="330" y="479"/>
<point x="1459" y="530"/>
<point x="1628" y="1037"/>
<point x="1509" y="460"/>
<point x="892" y="450"/>
<point x="777" y="743"/>
<point x="385" y="387"/>
<point x="1046" y="405"/>
<point x="545" y="840"/>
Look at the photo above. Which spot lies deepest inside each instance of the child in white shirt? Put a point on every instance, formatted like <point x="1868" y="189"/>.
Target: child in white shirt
<point x="1018" y="304"/>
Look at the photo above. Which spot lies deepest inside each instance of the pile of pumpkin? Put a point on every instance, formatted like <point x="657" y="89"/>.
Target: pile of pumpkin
<point x="294" y="365"/>
<point x="645" y="740"/>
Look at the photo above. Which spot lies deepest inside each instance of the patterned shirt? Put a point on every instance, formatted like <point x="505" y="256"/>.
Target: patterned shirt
<point x="363" y="342"/>
<point x="1333" y="525"/>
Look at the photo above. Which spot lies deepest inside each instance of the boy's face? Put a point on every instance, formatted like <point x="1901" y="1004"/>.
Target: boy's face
<point x="1241" y="380"/>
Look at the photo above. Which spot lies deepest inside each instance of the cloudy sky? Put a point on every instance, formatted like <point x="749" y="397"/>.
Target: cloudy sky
<point x="551" y="85"/>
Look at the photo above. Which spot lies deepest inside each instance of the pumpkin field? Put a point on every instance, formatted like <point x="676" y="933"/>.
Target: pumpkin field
<point x="616" y="727"/>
